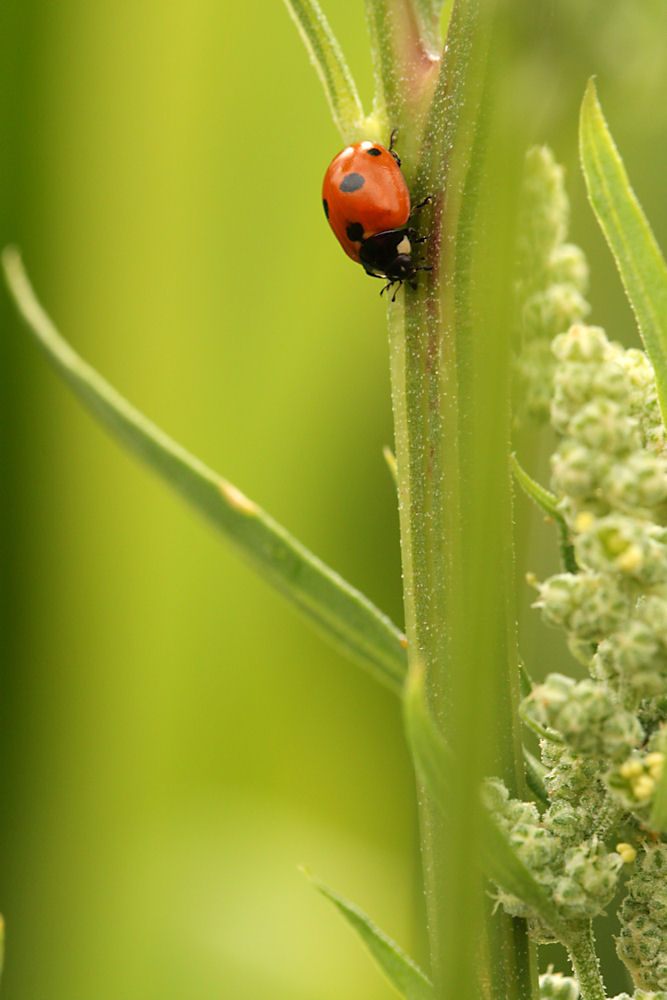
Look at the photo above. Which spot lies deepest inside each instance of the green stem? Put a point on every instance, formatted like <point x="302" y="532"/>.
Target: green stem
<point x="585" y="963"/>
<point x="450" y="388"/>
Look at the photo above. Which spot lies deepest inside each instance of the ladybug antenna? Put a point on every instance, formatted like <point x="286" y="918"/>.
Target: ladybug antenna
<point x="394" y="133"/>
<point x="426" y="201"/>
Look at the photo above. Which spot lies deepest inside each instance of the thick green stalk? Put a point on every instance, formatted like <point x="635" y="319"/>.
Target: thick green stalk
<point x="450" y="386"/>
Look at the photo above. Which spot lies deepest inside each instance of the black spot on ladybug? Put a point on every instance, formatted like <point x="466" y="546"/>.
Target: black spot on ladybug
<point x="352" y="182"/>
<point x="355" y="232"/>
<point x="374" y="151"/>
<point x="325" y="207"/>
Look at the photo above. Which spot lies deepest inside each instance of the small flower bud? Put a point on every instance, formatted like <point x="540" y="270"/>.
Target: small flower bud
<point x="625" y="545"/>
<point x="587" y="716"/>
<point x="633" y="783"/>
<point x="627" y="853"/>
<point x="633" y="659"/>
<point x="547" y="313"/>
<point x="568" y="266"/>
<point x="587" y="604"/>
<point x="654" y="763"/>
<point x="563" y="820"/>
<point x="589" y="880"/>
<point x="544" y="206"/>
<point x="555" y="986"/>
<point x="642" y="995"/>
<point x="603" y="425"/>
<point x="638" y="483"/>
<point x="581" y="343"/>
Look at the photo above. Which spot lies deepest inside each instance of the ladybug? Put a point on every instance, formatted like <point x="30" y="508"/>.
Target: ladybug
<point x="367" y="203"/>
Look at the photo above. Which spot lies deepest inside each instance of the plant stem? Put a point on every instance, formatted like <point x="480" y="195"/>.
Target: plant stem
<point x="450" y="387"/>
<point x="585" y="963"/>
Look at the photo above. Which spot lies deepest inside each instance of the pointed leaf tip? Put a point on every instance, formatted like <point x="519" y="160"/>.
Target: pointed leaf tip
<point x="403" y="974"/>
<point x="628" y="233"/>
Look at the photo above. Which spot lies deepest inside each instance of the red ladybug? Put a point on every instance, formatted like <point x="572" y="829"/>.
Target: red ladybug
<point x="367" y="203"/>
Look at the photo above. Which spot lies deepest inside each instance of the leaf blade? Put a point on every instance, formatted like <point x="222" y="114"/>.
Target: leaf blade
<point x="545" y="499"/>
<point x="398" y="967"/>
<point x="327" y="58"/>
<point x="628" y="233"/>
<point x="340" y="611"/>
<point x="433" y="761"/>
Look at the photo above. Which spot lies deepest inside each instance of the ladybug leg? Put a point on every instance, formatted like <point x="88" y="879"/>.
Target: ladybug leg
<point x="414" y="236"/>
<point x="422" y="204"/>
<point x="392" y="137"/>
<point x="390" y="284"/>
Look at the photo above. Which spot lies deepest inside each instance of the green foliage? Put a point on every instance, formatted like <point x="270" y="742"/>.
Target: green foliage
<point x="401" y="971"/>
<point x="549" y="504"/>
<point x="331" y="67"/>
<point x="640" y="263"/>
<point x="344" y="615"/>
<point x="436" y="766"/>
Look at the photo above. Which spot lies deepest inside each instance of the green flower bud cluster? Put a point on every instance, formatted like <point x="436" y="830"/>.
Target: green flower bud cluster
<point x="643" y="917"/>
<point x="587" y="605"/>
<point x="571" y="778"/>
<point x="605" y="407"/>
<point x="580" y="879"/>
<point x="634" y="657"/>
<point x="552" y="281"/>
<point x="604" y="739"/>
<point x="587" y="715"/>
<point x="610" y="474"/>
<point x="580" y="806"/>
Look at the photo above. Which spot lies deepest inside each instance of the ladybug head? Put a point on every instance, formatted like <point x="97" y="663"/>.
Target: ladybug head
<point x="402" y="267"/>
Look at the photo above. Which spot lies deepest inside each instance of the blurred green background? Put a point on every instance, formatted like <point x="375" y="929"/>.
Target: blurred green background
<point x="174" y="740"/>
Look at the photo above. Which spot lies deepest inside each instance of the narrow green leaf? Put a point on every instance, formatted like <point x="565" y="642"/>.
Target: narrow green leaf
<point x="434" y="762"/>
<point x="542" y="732"/>
<point x="542" y="497"/>
<point x="2" y="944"/>
<point x="627" y="231"/>
<point x="535" y="772"/>
<point x="428" y="16"/>
<point x="401" y="971"/>
<point x="327" y="58"/>
<point x="525" y="680"/>
<point x="343" y="614"/>
<point x="549" y="504"/>
<point x="390" y="459"/>
<point x="534" y="769"/>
